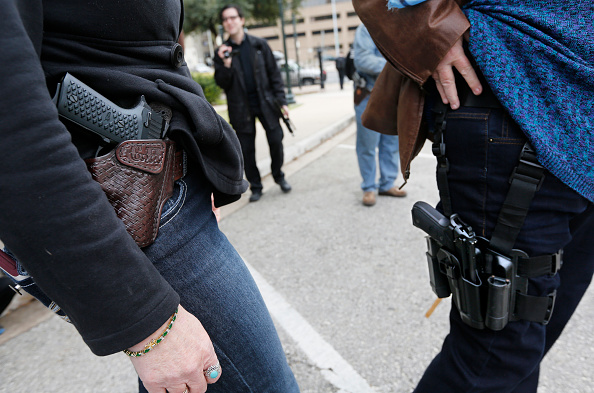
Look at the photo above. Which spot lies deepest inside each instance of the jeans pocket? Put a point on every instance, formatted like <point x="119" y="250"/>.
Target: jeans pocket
<point x="466" y="147"/>
<point x="174" y="204"/>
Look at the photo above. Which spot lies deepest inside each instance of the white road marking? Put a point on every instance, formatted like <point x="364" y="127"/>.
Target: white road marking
<point x="333" y="367"/>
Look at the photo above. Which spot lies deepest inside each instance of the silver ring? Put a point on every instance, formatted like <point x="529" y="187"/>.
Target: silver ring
<point x="213" y="371"/>
<point x="186" y="391"/>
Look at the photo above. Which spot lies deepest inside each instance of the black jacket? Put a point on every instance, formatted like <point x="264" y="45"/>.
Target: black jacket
<point x="269" y="85"/>
<point x="53" y="216"/>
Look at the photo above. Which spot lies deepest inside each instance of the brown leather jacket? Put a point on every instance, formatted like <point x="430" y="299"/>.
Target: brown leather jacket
<point x="413" y="40"/>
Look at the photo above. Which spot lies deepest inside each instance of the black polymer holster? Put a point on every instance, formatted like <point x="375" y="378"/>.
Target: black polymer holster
<point x="488" y="288"/>
<point x="488" y="279"/>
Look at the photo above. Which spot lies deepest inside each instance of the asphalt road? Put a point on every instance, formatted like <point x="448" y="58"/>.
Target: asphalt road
<point x="346" y="284"/>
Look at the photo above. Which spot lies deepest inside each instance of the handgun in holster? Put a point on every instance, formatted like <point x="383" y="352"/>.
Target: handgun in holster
<point x="84" y="106"/>
<point x="139" y="173"/>
<point x="452" y="258"/>
<point x="488" y="278"/>
<point x="488" y="288"/>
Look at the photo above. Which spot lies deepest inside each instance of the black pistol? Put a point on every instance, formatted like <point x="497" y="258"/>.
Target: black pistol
<point x="288" y="123"/>
<point x="452" y="259"/>
<point x="84" y="106"/>
<point x="434" y="224"/>
<point x="440" y="236"/>
<point x="452" y="234"/>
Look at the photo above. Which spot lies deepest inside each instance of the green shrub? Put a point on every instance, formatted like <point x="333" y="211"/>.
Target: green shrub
<point x="212" y="91"/>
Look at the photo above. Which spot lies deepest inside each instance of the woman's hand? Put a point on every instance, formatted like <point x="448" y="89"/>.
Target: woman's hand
<point x="179" y="361"/>
<point x="444" y="75"/>
<point x="215" y="210"/>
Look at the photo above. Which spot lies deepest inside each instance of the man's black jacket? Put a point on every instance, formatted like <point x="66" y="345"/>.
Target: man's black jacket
<point x="269" y="85"/>
<point x="53" y="216"/>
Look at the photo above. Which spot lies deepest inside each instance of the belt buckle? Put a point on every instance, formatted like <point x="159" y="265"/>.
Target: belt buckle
<point x="557" y="262"/>
<point x="549" y="313"/>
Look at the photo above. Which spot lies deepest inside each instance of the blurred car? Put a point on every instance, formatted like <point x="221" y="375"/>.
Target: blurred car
<point x="202" y="68"/>
<point x="308" y="76"/>
<point x="278" y="56"/>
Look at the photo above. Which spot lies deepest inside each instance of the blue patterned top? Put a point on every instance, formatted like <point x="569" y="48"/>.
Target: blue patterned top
<point x="538" y="57"/>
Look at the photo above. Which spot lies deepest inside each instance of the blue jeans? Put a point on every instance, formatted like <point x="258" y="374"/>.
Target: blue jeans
<point x="214" y="284"/>
<point x="483" y="147"/>
<point x="367" y="142"/>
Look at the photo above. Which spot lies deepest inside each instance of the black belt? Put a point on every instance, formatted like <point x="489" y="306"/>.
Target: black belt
<point x="486" y="99"/>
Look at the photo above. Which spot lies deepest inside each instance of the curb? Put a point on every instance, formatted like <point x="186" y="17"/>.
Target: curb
<point x="300" y="148"/>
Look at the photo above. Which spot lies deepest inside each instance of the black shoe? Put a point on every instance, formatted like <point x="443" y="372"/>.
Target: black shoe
<point x="256" y="195"/>
<point x="285" y="186"/>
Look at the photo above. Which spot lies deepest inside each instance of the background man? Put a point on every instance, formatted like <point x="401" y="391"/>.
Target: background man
<point x="369" y="63"/>
<point x="245" y="68"/>
<point x="340" y="67"/>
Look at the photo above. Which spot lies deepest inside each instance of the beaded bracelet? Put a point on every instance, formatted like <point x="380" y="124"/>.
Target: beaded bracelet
<point x="155" y="341"/>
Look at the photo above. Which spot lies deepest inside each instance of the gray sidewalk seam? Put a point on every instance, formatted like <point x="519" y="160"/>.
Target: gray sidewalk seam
<point x="300" y="148"/>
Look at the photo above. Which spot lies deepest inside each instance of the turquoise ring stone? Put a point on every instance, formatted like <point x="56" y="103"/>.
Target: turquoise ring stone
<point x="213" y="371"/>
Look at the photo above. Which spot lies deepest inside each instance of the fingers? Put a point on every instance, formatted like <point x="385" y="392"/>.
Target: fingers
<point x="213" y="373"/>
<point x="446" y="86"/>
<point x="285" y="110"/>
<point x="178" y="389"/>
<point x="215" y="210"/>
<point x="180" y="360"/>
<point x="221" y="51"/>
<point x="445" y="79"/>
<point x="465" y="69"/>
<point x="197" y="382"/>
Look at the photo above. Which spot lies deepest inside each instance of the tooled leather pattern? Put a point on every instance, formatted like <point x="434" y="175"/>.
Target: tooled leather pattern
<point x="136" y="194"/>
<point x="147" y="156"/>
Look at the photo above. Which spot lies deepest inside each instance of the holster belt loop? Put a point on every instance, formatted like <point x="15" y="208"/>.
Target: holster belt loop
<point x="535" y="308"/>
<point x="443" y="166"/>
<point x="540" y="265"/>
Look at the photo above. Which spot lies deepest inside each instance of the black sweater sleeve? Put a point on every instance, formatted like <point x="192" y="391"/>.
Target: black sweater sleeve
<point x="55" y="218"/>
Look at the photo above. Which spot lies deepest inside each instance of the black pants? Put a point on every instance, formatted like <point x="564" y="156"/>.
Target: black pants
<point x="341" y="78"/>
<point x="247" y="139"/>
<point x="483" y="146"/>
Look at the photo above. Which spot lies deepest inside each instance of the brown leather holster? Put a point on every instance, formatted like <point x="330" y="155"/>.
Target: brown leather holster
<point x="137" y="177"/>
<point x="360" y="94"/>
